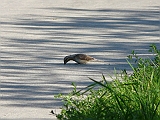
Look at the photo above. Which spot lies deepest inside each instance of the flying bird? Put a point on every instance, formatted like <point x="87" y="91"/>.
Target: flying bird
<point x="79" y="58"/>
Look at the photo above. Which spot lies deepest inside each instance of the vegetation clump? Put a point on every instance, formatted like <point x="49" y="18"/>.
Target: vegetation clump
<point x="130" y="97"/>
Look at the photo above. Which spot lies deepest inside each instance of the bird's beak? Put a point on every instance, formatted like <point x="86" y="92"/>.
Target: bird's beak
<point x="66" y="59"/>
<point x="65" y="62"/>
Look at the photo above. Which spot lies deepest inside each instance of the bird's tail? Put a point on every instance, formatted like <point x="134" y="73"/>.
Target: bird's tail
<point x="97" y="60"/>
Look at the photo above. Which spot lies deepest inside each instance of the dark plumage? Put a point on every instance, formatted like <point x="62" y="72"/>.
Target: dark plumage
<point x="79" y="58"/>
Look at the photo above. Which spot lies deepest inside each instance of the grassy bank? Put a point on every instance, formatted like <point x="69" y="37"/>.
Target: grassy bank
<point x="133" y="96"/>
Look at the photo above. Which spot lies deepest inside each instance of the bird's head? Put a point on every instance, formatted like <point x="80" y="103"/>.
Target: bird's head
<point x="66" y="59"/>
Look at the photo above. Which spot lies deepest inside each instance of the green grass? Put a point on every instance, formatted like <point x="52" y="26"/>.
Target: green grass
<point x="127" y="97"/>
